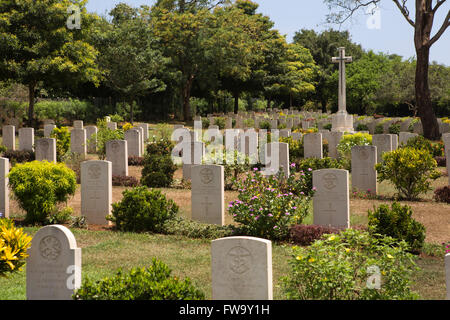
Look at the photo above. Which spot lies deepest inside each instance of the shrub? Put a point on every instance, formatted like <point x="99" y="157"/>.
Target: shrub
<point x="125" y="181"/>
<point x="60" y="216"/>
<point x="116" y="118"/>
<point x="104" y="134"/>
<point x="221" y="122"/>
<point x="2" y="149"/>
<point x="152" y="283"/>
<point x="40" y="186"/>
<point x="205" y="123"/>
<point x="343" y="267"/>
<point x="142" y="210"/>
<point x="420" y="142"/>
<point x="265" y="125"/>
<point x="17" y="156"/>
<point x="397" y="223"/>
<point x="158" y="171"/>
<point x="162" y="147"/>
<point x="192" y="229"/>
<point x="409" y="170"/>
<point x="379" y="128"/>
<point x="135" y="161"/>
<point x="442" y="194"/>
<point x="328" y="126"/>
<point x="441" y="161"/>
<point x="394" y="128"/>
<point x="62" y="136"/>
<point x="304" y="235"/>
<point x="296" y="148"/>
<point x="346" y="144"/>
<point x="362" y="127"/>
<point x="267" y="206"/>
<point x="13" y="247"/>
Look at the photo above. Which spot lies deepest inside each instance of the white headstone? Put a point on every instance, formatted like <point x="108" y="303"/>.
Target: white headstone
<point x="48" y="128"/>
<point x="78" y="141"/>
<point x="144" y="127"/>
<point x="405" y="136"/>
<point x="333" y="139"/>
<point x="46" y="150"/>
<point x="9" y="137"/>
<point x="383" y="142"/>
<point x="364" y="175"/>
<point x="241" y="269"/>
<point x="4" y="190"/>
<point x="91" y="141"/>
<point x="26" y="139"/>
<point x="331" y="201"/>
<point x="193" y="154"/>
<point x="276" y="157"/>
<point x="78" y="124"/>
<point x="132" y="137"/>
<point x="207" y="197"/>
<point x="313" y="146"/>
<point x="96" y="191"/>
<point x="54" y="265"/>
<point x="111" y="125"/>
<point x="117" y="154"/>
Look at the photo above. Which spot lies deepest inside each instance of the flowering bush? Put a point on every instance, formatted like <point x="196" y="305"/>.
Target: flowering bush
<point x="305" y="169"/>
<point x="351" y="265"/>
<point x="346" y="144"/>
<point x="268" y="206"/>
<point x="13" y="247"/>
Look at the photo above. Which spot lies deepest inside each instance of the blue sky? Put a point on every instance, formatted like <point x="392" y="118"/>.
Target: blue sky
<point x="390" y="33"/>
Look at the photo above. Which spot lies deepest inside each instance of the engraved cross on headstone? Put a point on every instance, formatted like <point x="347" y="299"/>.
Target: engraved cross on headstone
<point x="342" y="60"/>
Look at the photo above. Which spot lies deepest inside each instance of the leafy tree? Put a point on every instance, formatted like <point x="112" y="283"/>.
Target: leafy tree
<point x="37" y="45"/>
<point x="425" y="13"/>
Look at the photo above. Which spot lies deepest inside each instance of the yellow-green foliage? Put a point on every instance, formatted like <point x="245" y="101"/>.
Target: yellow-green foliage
<point x="39" y="186"/>
<point x="13" y="247"/>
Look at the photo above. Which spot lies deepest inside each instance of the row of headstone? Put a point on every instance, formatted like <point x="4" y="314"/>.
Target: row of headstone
<point x="241" y="267"/>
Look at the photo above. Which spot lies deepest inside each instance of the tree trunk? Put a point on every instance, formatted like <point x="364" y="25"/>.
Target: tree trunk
<point x="236" y="102"/>
<point x="131" y="112"/>
<point x="31" y="98"/>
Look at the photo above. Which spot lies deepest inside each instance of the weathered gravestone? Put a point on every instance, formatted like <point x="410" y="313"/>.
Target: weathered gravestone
<point x="26" y="139"/>
<point x="207" y="195"/>
<point x="276" y="156"/>
<point x="144" y="127"/>
<point x="54" y="265"/>
<point x="364" y="175"/>
<point x="46" y="149"/>
<point x="117" y="154"/>
<point x="384" y="144"/>
<point x="241" y="269"/>
<point x="96" y="191"/>
<point x="9" y="137"/>
<point x="48" y="128"/>
<point x="134" y="143"/>
<point x="78" y="124"/>
<point x="78" y="141"/>
<point x="313" y="146"/>
<point x="91" y="137"/>
<point x="4" y="190"/>
<point x="333" y="139"/>
<point x="405" y="136"/>
<point x="331" y="202"/>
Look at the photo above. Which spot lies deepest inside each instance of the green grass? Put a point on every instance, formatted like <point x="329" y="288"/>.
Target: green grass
<point x="104" y="252"/>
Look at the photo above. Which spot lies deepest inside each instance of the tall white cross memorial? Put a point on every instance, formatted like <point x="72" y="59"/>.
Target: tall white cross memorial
<point x="342" y="121"/>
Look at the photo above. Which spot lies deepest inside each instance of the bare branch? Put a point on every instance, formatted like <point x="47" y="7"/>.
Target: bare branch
<point x="438" y="4"/>
<point x="350" y="9"/>
<point x="441" y="31"/>
<point x="404" y="10"/>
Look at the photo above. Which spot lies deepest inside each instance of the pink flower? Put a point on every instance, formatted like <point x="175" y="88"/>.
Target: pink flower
<point x="270" y="215"/>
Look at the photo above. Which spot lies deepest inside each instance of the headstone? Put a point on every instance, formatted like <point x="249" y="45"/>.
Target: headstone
<point x="331" y="202"/>
<point x="285" y="133"/>
<point x="26" y="139"/>
<point x="193" y="153"/>
<point x="4" y="190"/>
<point x="91" y="141"/>
<point x="364" y="175"/>
<point x="141" y="139"/>
<point x="248" y="145"/>
<point x="383" y="142"/>
<point x="78" y="124"/>
<point x="394" y="139"/>
<point x="297" y="136"/>
<point x="313" y="146"/>
<point x="111" y="125"/>
<point x="229" y="123"/>
<point x="405" y="136"/>
<point x="46" y="150"/>
<point x="241" y="269"/>
<point x="418" y="128"/>
<point x="96" y="191"/>
<point x="276" y="156"/>
<point x="274" y="124"/>
<point x="133" y="142"/>
<point x="207" y="197"/>
<point x="9" y="137"/>
<point x="78" y="141"/>
<point x="117" y="154"/>
<point x="54" y="265"/>
<point x="48" y="128"/>
<point x="333" y="139"/>
<point x="145" y="128"/>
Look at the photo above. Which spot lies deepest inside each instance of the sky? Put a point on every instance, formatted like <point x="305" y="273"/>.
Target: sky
<point x="387" y="31"/>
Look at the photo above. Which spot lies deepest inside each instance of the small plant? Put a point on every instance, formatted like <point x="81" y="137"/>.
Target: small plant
<point x="351" y="265"/>
<point x="135" y="161"/>
<point x="62" y="137"/>
<point x="267" y="206"/>
<point x="40" y="186"/>
<point x="265" y="125"/>
<point x="397" y="222"/>
<point x="142" y="210"/>
<point x="394" y="128"/>
<point x="78" y="222"/>
<point x="158" y="165"/>
<point x="220" y="122"/>
<point x="296" y="148"/>
<point x="153" y="283"/>
<point x="409" y="170"/>
<point x="196" y="230"/>
<point x="328" y="126"/>
<point x="2" y="149"/>
<point x="14" y="244"/>
<point x="60" y="216"/>
<point x="442" y="194"/>
<point x="104" y="134"/>
<point x="116" y="118"/>
<point x="305" y="235"/>
<point x="125" y="181"/>
<point x="379" y="128"/>
<point x="19" y="156"/>
<point x="362" y="127"/>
